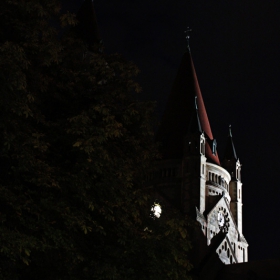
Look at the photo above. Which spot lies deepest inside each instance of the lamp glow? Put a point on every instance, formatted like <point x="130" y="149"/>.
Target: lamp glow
<point x="156" y="209"/>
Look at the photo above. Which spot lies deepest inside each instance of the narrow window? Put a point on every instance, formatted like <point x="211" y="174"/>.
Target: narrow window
<point x="214" y="147"/>
<point x="202" y="147"/>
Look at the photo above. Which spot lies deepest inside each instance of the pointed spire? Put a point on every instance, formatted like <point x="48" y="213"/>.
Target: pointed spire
<point x="88" y="27"/>
<point x="229" y="131"/>
<point x="178" y="112"/>
<point x="197" y="116"/>
<point x="230" y="152"/>
<point x="195" y="122"/>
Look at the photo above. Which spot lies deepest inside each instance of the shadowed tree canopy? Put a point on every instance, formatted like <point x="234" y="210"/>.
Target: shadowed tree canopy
<point x="75" y="149"/>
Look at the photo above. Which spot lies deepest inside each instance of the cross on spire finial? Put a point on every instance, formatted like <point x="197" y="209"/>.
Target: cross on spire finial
<point x="188" y="36"/>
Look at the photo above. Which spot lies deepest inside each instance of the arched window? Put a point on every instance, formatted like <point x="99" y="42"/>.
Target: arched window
<point x="214" y="146"/>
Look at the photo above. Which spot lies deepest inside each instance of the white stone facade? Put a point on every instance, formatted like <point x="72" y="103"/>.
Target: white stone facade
<point x="217" y="185"/>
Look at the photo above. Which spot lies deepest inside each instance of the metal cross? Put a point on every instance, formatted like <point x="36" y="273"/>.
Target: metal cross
<point x="188" y="35"/>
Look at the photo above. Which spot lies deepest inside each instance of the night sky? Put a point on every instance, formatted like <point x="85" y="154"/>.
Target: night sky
<point x="235" y="49"/>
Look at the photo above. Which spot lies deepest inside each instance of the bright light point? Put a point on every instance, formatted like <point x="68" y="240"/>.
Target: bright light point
<point x="156" y="209"/>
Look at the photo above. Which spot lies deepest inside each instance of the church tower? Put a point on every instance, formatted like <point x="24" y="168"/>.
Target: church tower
<point x="191" y="174"/>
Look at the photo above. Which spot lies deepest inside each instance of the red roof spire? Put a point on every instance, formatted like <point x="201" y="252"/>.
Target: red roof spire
<point x="177" y="115"/>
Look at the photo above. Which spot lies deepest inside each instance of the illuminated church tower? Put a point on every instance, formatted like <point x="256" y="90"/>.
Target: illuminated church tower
<point x="191" y="174"/>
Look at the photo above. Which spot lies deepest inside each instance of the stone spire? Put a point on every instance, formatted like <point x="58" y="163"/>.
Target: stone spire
<point x="230" y="152"/>
<point x="177" y="116"/>
<point x="195" y="125"/>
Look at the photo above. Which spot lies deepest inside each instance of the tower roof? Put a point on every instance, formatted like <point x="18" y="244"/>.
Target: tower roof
<point x="179" y="108"/>
<point x="230" y="152"/>
<point x="88" y="23"/>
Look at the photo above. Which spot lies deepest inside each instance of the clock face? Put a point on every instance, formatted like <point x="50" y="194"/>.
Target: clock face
<point x="221" y="219"/>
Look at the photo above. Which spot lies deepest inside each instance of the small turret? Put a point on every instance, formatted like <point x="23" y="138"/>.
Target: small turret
<point x="195" y="125"/>
<point x="230" y="150"/>
<point x="194" y="164"/>
<point x="232" y="164"/>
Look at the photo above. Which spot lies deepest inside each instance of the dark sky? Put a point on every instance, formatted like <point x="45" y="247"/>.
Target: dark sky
<point x="235" y="49"/>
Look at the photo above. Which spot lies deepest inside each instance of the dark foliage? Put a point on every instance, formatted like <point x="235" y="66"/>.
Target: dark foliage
<point x="75" y="148"/>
